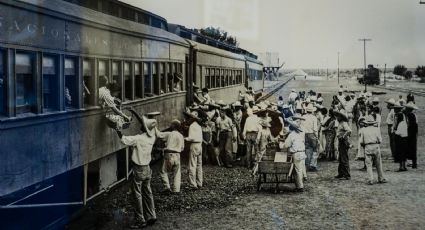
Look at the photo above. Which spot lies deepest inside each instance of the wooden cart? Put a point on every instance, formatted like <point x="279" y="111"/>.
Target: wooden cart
<point x="271" y="172"/>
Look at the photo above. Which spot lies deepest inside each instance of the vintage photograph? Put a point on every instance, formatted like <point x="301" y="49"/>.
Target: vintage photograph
<point x="212" y="114"/>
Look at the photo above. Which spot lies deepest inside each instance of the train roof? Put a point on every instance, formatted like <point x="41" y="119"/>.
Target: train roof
<point x="210" y="49"/>
<point x="63" y="9"/>
<point x="250" y="59"/>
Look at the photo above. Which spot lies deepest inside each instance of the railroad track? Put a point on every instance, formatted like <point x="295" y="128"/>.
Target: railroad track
<point x="417" y="92"/>
<point x="269" y="94"/>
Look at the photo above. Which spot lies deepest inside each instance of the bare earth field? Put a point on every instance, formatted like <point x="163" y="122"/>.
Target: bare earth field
<point x="230" y="201"/>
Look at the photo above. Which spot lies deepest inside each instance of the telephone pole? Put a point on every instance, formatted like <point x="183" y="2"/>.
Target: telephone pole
<point x="364" y="40"/>
<point x="338" y="68"/>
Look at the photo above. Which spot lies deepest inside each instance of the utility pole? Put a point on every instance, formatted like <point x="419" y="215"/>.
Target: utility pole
<point x="338" y="68"/>
<point x="364" y="40"/>
<point x="385" y="71"/>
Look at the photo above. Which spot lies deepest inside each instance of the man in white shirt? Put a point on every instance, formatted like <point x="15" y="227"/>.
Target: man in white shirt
<point x="341" y="96"/>
<point x="249" y="133"/>
<point x="310" y="127"/>
<point x="296" y="146"/>
<point x="349" y="107"/>
<point x="171" y="160"/>
<point x="292" y="97"/>
<point x="225" y="136"/>
<point x="141" y="157"/>
<point x="390" y="122"/>
<point x="371" y="139"/>
<point x="206" y="96"/>
<point x="195" y="153"/>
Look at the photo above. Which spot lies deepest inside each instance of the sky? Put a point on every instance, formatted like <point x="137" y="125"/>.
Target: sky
<point x="310" y="33"/>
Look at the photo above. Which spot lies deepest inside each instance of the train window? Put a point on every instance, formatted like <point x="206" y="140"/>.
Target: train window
<point x="207" y="78"/>
<point x="25" y="83"/>
<point x="102" y="68"/>
<point x="213" y="78"/>
<point x="170" y="77"/>
<point x="155" y="76"/>
<point x="227" y="77"/>
<point x="128" y="82"/>
<point x="116" y="83"/>
<point x="147" y="72"/>
<point x="217" y="78"/>
<point x="163" y="78"/>
<point x="222" y="78"/>
<point x="138" y="80"/>
<point x="179" y="69"/>
<point x="88" y="83"/>
<point x="71" y="83"/>
<point x="2" y="83"/>
<point x="50" y="83"/>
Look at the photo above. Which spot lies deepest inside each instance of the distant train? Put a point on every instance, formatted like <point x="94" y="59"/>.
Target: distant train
<point x="370" y="77"/>
<point x="57" y="152"/>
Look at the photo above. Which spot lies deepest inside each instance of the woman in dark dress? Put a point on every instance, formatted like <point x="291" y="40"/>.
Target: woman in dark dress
<point x="412" y="133"/>
<point x="401" y="138"/>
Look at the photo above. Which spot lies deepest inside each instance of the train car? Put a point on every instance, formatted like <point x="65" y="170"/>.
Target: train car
<point x="371" y="77"/>
<point x="254" y="73"/>
<point x="220" y="71"/>
<point x="57" y="150"/>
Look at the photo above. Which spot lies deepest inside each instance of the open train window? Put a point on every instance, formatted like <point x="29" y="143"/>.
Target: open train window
<point x="217" y="78"/>
<point x="71" y="83"/>
<point x="50" y="83"/>
<point x="116" y="82"/>
<point x="179" y="69"/>
<point x="2" y="82"/>
<point x="163" y="78"/>
<point x="88" y="83"/>
<point x="170" y="77"/>
<point x="212" y="78"/>
<point x="138" y="79"/>
<point x="25" y="83"/>
<point x="222" y="77"/>
<point x="155" y="76"/>
<point x="128" y="82"/>
<point x="207" y="78"/>
<point x="147" y="72"/>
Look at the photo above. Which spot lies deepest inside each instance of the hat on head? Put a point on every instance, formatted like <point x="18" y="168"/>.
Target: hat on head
<point x="237" y="104"/>
<point x="320" y="99"/>
<point x="375" y="99"/>
<point x="340" y="113"/>
<point x="153" y="114"/>
<point x="368" y="94"/>
<point x="178" y="77"/>
<point x="340" y="91"/>
<point x="221" y="103"/>
<point x="411" y="105"/>
<point x="369" y="120"/>
<point x="310" y="108"/>
<point x="294" y="125"/>
<point x="148" y="125"/>
<point x="391" y="101"/>
<point x="193" y="114"/>
<point x="313" y="98"/>
<point x="293" y="90"/>
<point x="175" y="122"/>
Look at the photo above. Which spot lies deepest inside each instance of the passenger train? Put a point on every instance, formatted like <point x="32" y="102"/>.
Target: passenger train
<point x="57" y="152"/>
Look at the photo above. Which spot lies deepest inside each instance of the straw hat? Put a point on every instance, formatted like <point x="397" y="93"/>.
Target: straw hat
<point x="341" y="114"/>
<point x="375" y="99"/>
<point x="237" y="104"/>
<point x="369" y="121"/>
<point x="310" y="108"/>
<point x="411" y="105"/>
<point x="391" y="101"/>
<point x="153" y="114"/>
<point x="294" y="125"/>
<point x="193" y="114"/>
<point x="320" y="99"/>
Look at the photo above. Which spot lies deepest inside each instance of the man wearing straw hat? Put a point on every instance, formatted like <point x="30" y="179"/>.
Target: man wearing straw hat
<point x="310" y="127"/>
<point x="370" y="141"/>
<point x="296" y="146"/>
<point x="195" y="152"/>
<point x="249" y="134"/>
<point x="390" y="121"/>
<point x="225" y="136"/>
<point x="412" y="132"/>
<point x="141" y="157"/>
<point x="343" y="133"/>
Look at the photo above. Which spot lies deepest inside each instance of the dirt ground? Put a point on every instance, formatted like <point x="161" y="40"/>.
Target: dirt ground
<point x="229" y="199"/>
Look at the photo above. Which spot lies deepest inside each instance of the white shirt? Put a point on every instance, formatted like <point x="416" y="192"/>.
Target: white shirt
<point x="390" y="117"/>
<point x="195" y="132"/>
<point x="341" y="98"/>
<point x="292" y="96"/>
<point x="225" y="124"/>
<point x="295" y="142"/>
<point x="105" y="97"/>
<point x="370" y="135"/>
<point x="174" y="141"/>
<point x="310" y="124"/>
<point x="207" y="99"/>
<point x="142" y="150"/>
<point x="252" y="124"/>
<point x="349" y="105"/>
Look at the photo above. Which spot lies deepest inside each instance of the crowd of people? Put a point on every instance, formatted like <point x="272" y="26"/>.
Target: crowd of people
<point x="239" y="133"/>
